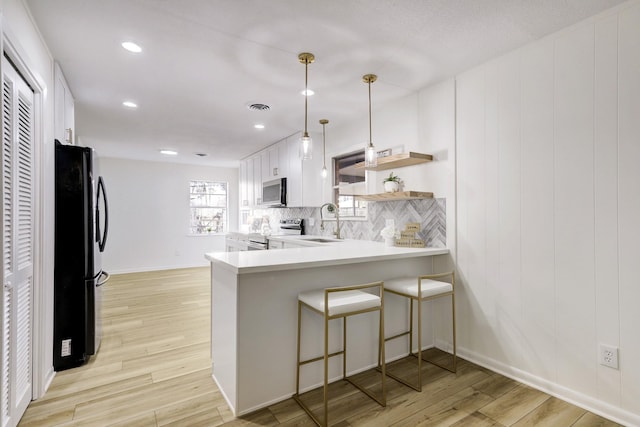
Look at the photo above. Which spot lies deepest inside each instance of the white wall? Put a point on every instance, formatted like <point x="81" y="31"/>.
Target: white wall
<point x="149" y="214"/>
<point x="548" y="139"/>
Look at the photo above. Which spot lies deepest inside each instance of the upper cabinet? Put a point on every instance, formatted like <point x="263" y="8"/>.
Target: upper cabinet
<point x="64" y="122"/>
<point x="275" y="161"/>
<point x="304" y="184"/>
<point x="282" y="160"/>
<point x="243" y="183"/>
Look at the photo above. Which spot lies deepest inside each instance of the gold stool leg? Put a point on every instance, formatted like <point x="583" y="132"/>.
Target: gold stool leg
<point x="344" y="347"/>
<point x="325" y="394"/>
<point x="453" y="322"/>
<point x="419" y="302"/>
<point x="381" y="354"/>
<point x="298" y="350"/>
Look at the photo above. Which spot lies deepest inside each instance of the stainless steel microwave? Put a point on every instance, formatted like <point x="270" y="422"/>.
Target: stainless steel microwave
<point x="274" y="193"/>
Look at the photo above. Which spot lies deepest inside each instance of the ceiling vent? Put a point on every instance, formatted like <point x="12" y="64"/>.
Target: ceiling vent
<point x="258" y="107"/>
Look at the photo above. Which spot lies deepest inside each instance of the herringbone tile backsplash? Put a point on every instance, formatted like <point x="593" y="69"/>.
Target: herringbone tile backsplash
<point x="430" y="213"/>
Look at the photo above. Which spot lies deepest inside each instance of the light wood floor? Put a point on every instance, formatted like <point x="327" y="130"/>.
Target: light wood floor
<point x="153" y="369"/>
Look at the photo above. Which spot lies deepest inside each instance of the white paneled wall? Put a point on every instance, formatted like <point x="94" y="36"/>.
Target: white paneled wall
<point x="628" y="115"/>
<point x="548" y="229"/>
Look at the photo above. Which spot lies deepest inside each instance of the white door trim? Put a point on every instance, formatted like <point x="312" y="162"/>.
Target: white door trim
<point x="42" y="364"/>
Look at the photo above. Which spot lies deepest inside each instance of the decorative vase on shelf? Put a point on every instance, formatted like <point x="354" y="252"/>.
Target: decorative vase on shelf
<point x="390" y="241"/>
<point x="391" y="186"/>
<point x="391" y="183"/>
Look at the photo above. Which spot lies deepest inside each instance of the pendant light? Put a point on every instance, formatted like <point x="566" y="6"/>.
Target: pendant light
<point x="306" y="147"/>
<point x="370" y="154"/>
<point x="323" y="122"/>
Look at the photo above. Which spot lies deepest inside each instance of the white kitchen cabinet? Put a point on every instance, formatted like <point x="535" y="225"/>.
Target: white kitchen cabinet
<point x="275" y="161"/>
<point x="282" y="160"/>
<point x="64" y="121"/>
<point x="243" y="185"/>
<point x="257" y="180"/>
<point x="294" y="180"/>
<point x="304" y="186"/>
<point x="265" y="165"/>
<point x="279" y="158"/>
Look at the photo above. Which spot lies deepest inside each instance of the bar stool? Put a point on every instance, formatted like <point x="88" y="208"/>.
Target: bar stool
<point x="423" y="288"/>
<point x="334" y="303"/>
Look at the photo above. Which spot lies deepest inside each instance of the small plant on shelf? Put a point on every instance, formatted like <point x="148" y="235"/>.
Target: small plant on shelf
<point x="391" y="183"/>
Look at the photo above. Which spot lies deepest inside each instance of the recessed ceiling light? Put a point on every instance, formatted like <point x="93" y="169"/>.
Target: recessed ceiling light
<point x="132" y="47"/>
<point x="130" y="104"/>
<point x="258" y="126"/>
<point x="169" y="152"/>
<point x="307" y="92"/>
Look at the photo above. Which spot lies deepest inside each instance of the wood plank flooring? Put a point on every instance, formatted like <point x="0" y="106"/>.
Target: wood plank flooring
<point x="154" y="369"/>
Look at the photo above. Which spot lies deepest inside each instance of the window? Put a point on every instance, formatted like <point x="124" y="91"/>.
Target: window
<point x="349" y="181"/>
<point x="208" y="205"/>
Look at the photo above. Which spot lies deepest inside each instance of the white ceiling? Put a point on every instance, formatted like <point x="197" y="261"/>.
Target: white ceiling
<point x="205" y="60"/>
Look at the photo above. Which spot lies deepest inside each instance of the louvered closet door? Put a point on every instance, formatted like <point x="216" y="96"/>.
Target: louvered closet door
<point x="17" y="244"/>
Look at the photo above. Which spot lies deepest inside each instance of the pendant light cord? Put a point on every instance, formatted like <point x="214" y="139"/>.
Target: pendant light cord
<point x="306" y="95"/>
<point x="370" y="140"/>
<point x="324" y="151"/>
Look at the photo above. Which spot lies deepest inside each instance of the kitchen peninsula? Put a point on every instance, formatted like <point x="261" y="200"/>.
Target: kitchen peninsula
<point x="254" y="314"/>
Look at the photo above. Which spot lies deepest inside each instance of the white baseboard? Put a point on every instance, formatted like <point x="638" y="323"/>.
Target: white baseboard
<point x="584" y="401"/>
<point x="157" y="268"/>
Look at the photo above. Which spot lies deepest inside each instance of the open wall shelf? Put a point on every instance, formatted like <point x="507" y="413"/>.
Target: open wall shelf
<point x="398" y="195"/>
<point x="398" y="161"/>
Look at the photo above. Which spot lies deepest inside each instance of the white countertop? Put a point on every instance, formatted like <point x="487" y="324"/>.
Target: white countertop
<point x="346" y="251"/>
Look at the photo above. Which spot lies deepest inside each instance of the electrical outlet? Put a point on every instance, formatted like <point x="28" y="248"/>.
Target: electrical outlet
<point x="609" y="356"/>
<point x="66" y="348"/>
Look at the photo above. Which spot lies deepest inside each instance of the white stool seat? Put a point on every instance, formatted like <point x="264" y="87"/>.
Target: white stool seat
<point x="340" y="302"/>
<point x="409" y="286"/>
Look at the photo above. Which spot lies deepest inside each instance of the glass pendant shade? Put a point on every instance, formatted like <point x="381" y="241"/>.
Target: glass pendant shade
<point x="370" y="156"/>
<point x="306" y="147"/>
<point x="324" y="172"/>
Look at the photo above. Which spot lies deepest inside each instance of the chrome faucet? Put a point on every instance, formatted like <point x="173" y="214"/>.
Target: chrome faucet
<point x="331" y="208"/>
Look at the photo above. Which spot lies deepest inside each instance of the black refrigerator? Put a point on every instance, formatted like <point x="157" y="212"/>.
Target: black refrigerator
<point x="81" y="226"/>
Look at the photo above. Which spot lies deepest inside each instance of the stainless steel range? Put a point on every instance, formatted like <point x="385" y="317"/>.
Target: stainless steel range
<point x="259" y="241"/>
<point x="292" y="226"/>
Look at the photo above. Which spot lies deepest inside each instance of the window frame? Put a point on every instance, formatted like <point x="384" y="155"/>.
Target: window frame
<point x="336" y="196"/>
<point x="192" y="227"/>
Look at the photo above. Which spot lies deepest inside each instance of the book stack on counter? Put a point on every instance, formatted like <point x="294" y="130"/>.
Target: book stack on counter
<point x="408" y="237"/>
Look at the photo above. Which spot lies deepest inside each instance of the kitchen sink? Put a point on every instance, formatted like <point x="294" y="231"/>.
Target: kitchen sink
<point x="319" y="240"/>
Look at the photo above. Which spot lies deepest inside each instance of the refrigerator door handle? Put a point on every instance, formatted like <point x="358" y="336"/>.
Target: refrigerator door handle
<point x="106" y="278"/>
<point x="102" y="237"/>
